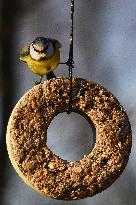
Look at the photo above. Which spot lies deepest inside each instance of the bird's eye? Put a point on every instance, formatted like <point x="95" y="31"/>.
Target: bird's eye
<point x="34" y="48"/>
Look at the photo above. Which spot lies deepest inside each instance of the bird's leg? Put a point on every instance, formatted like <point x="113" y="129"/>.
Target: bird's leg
<point x="41" y="77"/>
<point x="50" y="75"/>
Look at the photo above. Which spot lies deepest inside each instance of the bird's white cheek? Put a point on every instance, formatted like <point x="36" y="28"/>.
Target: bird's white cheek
<point x="35" y="55"/>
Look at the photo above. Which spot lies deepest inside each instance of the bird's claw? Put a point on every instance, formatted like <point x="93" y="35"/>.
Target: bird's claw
<point x="38" y="82"/>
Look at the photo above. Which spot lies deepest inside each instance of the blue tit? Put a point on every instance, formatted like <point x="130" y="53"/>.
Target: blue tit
<point x="42" y="56"/>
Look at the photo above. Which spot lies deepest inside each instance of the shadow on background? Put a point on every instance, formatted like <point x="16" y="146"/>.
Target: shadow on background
<point x="9" y="11"/>
<point x="8" y="15"/>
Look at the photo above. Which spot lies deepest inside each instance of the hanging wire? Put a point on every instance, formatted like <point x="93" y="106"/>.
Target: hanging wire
<point x="70" y="61"/>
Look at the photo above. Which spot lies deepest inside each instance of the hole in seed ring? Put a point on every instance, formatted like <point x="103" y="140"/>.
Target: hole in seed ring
<point x="71" y="136"/>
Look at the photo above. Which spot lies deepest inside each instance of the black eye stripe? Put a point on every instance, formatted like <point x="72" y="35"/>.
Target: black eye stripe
<point x="45" y="49"/>
<point x="35" y="48"/>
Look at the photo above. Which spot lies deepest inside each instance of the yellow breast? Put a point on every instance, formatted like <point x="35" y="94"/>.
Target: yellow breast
<point x="45" y="66"/>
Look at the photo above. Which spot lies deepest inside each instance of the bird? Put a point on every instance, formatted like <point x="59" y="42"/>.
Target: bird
<point x="42" y="56"/>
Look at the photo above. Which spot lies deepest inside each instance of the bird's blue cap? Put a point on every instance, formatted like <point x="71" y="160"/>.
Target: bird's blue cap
<point x="40" y="40"/>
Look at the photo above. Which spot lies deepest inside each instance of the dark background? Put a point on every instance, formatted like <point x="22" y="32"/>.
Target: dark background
<point x="104" y="51"/>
